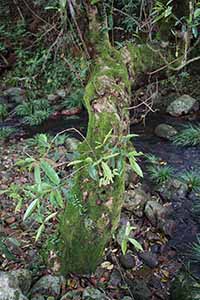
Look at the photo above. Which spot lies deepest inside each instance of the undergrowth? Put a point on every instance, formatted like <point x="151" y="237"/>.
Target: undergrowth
<point x="189" y="136"/>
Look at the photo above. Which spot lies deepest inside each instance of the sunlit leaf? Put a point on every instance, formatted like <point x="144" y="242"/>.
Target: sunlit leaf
<point x="136" y="168"/>
<point x="39" y="232"/>
<point x="30" y="209"/>
<point x="124" y="246"/>
<point x="136" y="244"/>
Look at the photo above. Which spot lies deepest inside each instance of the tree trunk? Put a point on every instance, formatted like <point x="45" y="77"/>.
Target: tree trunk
<point x="93" y="211"/>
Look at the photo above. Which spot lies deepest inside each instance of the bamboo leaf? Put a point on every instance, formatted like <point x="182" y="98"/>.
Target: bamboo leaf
<point x="75" y="162"/>
<point x="136" y="168"/>
<point x="51" y="216"/>
<point x="30" y="209"/>
<point x="136" y="244"/>
<point x="124" y="246"/>
<point x="50" y="172"/>
<point x="37" y="175"/>
<point x="39" y="232"/>
<point x="59" y="199"/>
<point x="93" y="172"/>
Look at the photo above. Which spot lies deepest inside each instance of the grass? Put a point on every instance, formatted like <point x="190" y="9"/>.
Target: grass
<point x="160" y="174"/>
<point x="196" y="250"/>
<point x="152" y="159"/>
<point x="189" y="136"/>
<point x="192" y="179"/>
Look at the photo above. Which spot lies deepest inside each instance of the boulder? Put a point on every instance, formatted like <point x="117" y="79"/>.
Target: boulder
<point x="134" y="201"/>
<point x="173" y="189"/>
<point x="48" y="285"/>
<point x="165" y="131"/>
<point x="15" y="94"/>
<point x="183" y="105"/>
<point x="93" y="294"/>
<point x="155" y="212"/>
<point x="9" y="289"/>
<point x="23" y="277"/>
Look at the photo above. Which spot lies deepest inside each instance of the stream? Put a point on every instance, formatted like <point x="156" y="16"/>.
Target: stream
<point x="180" y="158"/>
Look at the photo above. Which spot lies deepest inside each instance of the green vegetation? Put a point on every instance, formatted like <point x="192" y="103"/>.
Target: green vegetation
<point x="3" y="111"/>
<point x="192" y="179"/>
<point x="69" y="46"/>
<point x="34" y="112"/>
<point x="6" y="132"/>
<point x="196" y="250"/>
<point x="160" y="174"/>
<point x="125" y="238"/>
<point x="189" y="136"/>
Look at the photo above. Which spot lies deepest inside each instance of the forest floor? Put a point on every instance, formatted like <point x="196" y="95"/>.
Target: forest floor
<point x="163" y="222"/>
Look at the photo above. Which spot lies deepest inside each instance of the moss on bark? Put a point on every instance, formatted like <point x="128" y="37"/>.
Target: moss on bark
<point x="86" y="234"/>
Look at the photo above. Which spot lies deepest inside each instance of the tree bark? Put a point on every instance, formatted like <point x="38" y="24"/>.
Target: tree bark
<point x="93" y="211"/>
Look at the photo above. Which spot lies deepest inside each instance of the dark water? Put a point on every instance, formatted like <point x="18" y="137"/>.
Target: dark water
<point x="181" y="159"/>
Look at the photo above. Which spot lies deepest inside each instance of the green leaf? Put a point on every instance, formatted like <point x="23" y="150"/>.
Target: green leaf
<point x="25" y="162"/>
<point x="136" y="244"/>
<point x="124" y="246"/>
<point x="93" y="172"/>
<point x="94" y="1"/>
<point x="75" y="162"/>
<point x="30" y="209"/>
<point x="50" y="172"/>
<point x="37" y="175"/>
<point x="39" y="232"/>
<point x="59" y="198"/>
<point x="110" y="156"/>
<point x="136" y="168"/>
<point x="107" y="173"/>
<point x="52" y="198"/>
<point x="197" y="13"/>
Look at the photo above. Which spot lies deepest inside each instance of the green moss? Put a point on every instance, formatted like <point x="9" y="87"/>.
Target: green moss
<point x="86" y="235"/>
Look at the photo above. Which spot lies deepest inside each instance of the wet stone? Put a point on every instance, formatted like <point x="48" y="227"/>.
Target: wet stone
<point x="165" y="131"/>
<point x="48" y="285"/>
<point x="184" y="104"/>
<point x="149" y="259"/>
<point x="127" y="261"/>
<point x="115" y="279"/>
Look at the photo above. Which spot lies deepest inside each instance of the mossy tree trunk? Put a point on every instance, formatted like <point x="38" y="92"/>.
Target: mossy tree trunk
<point x="93" y="212"/>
